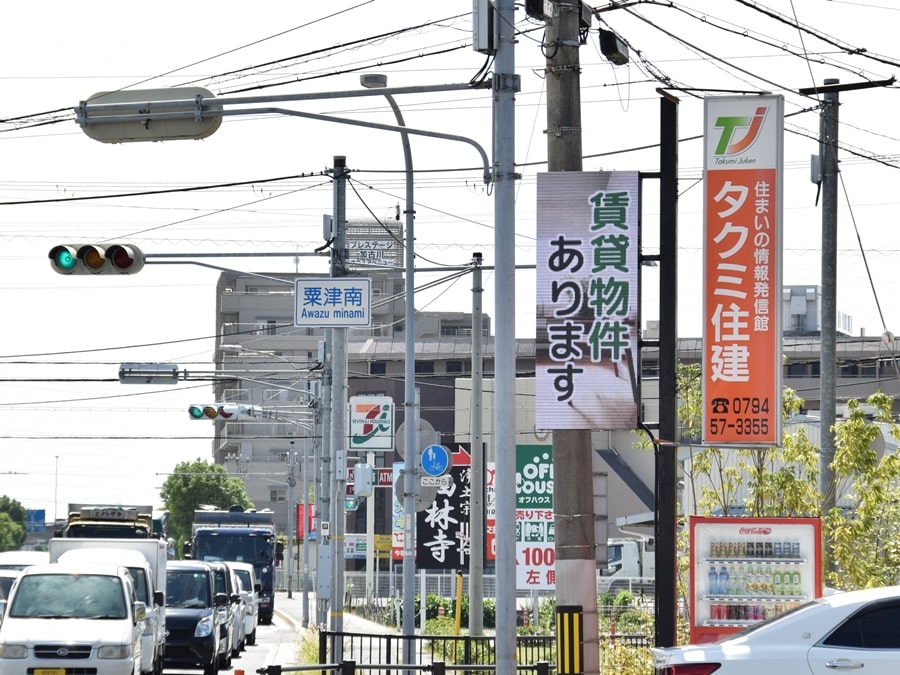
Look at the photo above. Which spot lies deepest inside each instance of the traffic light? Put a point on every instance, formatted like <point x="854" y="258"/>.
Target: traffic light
<point x="96" y="259"/>
<point x="212" y="411"/>
<point x="363" y="480"/>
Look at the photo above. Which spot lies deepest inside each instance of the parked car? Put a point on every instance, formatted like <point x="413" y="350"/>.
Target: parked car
<point x="842" y="632"/>
<point x="250" y="588"/>
<point x="193" y="620"/>
<point x="72" y="618"/>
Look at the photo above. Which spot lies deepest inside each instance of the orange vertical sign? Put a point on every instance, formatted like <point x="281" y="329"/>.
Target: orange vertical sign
<point x="742" y="271"/>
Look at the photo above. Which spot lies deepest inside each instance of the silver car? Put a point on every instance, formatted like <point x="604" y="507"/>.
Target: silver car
<point x="250" y="588"/>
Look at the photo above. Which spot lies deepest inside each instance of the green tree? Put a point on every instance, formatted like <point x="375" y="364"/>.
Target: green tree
<point x="195" y="483"/>
<point x="12" y="524"/>
<point x="864" y="540"/>
<point x="861" y="543"/>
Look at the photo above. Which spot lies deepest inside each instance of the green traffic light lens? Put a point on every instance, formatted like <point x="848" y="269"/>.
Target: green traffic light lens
<point x="65" y="260"/>
<point x="196" y="412"/>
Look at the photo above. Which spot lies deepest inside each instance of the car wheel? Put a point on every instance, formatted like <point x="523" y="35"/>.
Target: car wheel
<point x="251" y="639"/>
<point x="225" y="660"/>
<point x="212" y="668"/>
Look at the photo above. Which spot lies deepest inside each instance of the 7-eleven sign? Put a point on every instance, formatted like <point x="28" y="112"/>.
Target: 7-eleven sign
<point x="371" y="423"/>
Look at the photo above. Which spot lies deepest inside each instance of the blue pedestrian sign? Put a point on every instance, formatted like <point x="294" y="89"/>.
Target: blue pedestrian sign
<point x="436" y="460"/>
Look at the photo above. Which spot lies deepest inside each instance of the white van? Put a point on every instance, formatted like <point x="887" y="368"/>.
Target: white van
<point x="153" y="639"/>
<point x="68" y="617"/>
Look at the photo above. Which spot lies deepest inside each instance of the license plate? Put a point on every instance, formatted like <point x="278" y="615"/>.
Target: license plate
<point x="49" y="671"/>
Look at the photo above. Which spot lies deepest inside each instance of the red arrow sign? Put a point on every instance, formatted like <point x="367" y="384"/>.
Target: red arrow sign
<point x="461" y="457"/>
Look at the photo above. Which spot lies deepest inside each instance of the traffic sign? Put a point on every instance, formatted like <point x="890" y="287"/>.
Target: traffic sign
<point x="436" y="460"/>
<point x="436" y="481"/>
<point x="333" y="302"/>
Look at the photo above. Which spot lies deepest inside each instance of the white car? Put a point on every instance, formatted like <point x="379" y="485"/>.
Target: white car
<point x="855" y="631"/>
<point x="72" y="618"/>
<point x="250" y="588"/>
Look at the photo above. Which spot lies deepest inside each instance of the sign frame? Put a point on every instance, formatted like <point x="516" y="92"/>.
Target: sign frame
<point x="332" y="302"/>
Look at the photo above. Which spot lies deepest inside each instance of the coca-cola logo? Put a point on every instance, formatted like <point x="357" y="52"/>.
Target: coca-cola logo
<point x="755" y="530"/>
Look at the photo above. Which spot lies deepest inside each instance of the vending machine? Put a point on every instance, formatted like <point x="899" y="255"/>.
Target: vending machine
<point x="745" y="570"/>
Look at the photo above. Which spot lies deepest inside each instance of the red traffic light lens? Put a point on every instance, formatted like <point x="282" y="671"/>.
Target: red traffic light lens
<point x="123" y="258"/>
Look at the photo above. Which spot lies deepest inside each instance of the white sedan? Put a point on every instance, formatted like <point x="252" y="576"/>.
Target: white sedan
<point x="855" y="631"/>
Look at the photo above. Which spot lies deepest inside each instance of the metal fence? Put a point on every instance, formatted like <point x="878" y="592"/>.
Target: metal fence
<point x="451" y="649"/>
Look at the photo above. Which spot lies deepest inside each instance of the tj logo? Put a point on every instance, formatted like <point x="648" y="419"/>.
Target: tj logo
<point x="728" y="144"/>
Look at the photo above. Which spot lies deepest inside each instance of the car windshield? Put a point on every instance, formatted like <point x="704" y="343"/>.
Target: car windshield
<point x="250" y="547"/>
<point x="187" y="588"/>
<point x="68" y="596"/>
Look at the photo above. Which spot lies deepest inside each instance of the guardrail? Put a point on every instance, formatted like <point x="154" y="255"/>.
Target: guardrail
<point x="436" y="668"/>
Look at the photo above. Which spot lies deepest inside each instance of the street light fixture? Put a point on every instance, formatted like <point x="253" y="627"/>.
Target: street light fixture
<point x="410" y="418"/>
<point x="120" y="114"/>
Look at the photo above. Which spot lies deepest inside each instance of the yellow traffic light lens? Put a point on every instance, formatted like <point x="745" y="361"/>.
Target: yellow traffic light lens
<point x="92" y="258"/>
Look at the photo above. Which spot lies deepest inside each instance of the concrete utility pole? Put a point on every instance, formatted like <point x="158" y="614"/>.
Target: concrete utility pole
<point x="828" y="363"/>
<point x="505" y="85"/>
<point x="573" y="490"/>
<point x="338" y="429"/>
<point x="828" y="156"/>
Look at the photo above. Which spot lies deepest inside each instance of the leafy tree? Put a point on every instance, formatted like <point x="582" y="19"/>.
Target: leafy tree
<point x="861" y="543"/>
<point x="12" y="534"/>
<point x="195" y="483"/>
<point x="12" y="524"/>
<point x="864" y="541"/>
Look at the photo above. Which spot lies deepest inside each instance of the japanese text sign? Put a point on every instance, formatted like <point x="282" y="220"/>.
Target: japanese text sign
<point x="587" y="300"/>
<point x="743" y="167"/>
<point x="331" y="302"/>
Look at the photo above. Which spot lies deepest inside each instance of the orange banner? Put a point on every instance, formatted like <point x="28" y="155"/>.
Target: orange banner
<point x="742" y="331"/>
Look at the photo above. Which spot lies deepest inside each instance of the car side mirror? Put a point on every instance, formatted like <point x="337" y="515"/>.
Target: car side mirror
<point x="221" y="600"/>
<point x="140" y="611"/>
<point x="159" y="599"/>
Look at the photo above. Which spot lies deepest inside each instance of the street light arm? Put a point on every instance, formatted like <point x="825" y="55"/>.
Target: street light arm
<point x="371" y="125"/>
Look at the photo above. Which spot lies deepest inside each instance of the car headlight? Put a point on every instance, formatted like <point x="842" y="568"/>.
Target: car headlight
<point x="13" y="651"/>
<point x="114" y="652"/>
<point x="204" y="627"/>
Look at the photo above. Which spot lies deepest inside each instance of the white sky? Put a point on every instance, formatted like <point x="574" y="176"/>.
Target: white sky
<point x="64" y="442"/>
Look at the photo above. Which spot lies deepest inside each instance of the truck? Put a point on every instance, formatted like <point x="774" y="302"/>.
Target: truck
<point x="630" y="565"/>
<point x="145" y="559"/>
<point x="236" y="535"/>
<point x="99" y="521"/>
